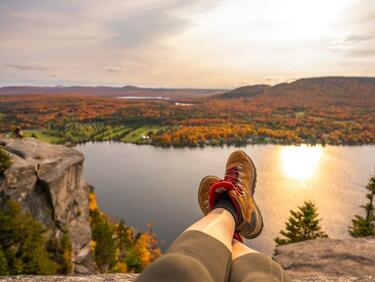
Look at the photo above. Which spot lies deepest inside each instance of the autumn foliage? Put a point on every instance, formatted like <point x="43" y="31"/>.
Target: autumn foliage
<point x="117" y="247"/>
<point x="285" y="118"/>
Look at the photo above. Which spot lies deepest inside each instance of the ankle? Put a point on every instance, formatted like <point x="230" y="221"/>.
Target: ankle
<point x="225" y="202"/>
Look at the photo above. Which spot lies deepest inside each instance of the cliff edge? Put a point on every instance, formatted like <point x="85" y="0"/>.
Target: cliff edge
<point x="47" y="181"/>
<point x="329" y="258"/>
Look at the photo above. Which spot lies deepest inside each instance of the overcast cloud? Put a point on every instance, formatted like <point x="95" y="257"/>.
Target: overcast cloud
<point x="183" y="43"/>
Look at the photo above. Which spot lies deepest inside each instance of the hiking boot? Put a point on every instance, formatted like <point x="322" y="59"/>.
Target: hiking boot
<point x="238" y="236"/>
<point x="239" y="183"/>
<point x="203" y="192"/>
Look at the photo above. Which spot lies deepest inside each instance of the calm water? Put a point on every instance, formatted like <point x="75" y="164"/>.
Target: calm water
<point x="145" y="184"/>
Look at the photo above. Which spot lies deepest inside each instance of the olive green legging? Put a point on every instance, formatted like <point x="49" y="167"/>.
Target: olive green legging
<point x="196" y="256"/>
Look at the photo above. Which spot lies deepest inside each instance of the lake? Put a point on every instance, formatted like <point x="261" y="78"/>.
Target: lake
<point x="145" y="184"/>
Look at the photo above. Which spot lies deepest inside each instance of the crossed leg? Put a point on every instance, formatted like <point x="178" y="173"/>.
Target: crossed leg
<point x="203" y="252"/>
<point x="249" y="265"/>
<point x="206" y="251"/>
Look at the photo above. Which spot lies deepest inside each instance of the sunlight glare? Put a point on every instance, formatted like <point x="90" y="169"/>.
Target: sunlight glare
<point x="300" y="163"/>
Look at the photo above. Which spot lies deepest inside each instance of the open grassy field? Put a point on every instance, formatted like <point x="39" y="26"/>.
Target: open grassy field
<point x="40" y="134"/>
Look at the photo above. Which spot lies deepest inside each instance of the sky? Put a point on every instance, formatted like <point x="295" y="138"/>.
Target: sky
<point x="183" y="43"/>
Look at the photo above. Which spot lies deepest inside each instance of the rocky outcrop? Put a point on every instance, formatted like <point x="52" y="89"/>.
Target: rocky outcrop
<point x="47" y="181"/>
<point x="323" y="260"/>
<point x="87" y="278"/>
<point x="329" y="258"/>
<point x="132" y="278"/>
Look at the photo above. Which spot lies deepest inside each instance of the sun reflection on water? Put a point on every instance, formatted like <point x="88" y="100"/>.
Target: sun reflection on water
<point x="300" y="162"/>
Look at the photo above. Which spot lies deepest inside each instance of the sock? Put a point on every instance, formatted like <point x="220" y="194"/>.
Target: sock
<point x="225" y="202"/>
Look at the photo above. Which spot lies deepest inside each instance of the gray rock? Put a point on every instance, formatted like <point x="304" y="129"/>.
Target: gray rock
<point x="89" y="278"/>
<point x="47" y="181"/>
<point x="132" y="277"/>
<point x="329" y="257"/>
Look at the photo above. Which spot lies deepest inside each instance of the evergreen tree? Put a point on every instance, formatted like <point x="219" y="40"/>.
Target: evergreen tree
<point x="5" y="161"/>
<point x="116" y="246"/>
<point x="105" y="248"/>
<point x="3" y="263"/>
<point x="22" y="241"/>
<point x="365" y="226"/>
<point x="124" y="246"/>
<point x="61" y="252"/>
<point x="302" y="225"/>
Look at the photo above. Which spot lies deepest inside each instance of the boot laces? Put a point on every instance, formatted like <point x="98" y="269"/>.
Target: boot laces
<point x="233" y="175"/>
<point x="232" y="182"/>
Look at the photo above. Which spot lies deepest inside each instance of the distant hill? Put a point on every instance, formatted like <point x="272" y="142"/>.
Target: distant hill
<point x="109" y="91"/>
<point x="339" y="90"/>
<point x="349" y="87"/>
<point x="245" y="91"/>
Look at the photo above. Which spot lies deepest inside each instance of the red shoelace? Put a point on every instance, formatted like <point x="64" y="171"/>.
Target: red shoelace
<point x="232" y="175"/>
<point x="230" y="182"/>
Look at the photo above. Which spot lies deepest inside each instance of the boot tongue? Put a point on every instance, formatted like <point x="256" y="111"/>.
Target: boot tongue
<point x="213" y="193"/>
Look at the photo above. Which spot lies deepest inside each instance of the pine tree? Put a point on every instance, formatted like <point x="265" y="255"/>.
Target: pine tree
<point x="5" y="161"/>
<point x="4" y="269"/>
<point x="23" y="243"/>
<point x="302" y="225"/>
<point x="60" y="251"/>
<point x="365" y="226"/>
<point x="105" y="248"/>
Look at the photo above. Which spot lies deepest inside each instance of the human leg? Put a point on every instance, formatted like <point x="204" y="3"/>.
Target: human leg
<point x="239" y="182"/>
<point x="219" y="224"/>
<point x="250" y="265"/>
<point x="201" y="253"/>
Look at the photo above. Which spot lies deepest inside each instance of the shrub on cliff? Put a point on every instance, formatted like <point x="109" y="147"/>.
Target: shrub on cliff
<point x="102" y="234"/>
<point x="4" y="270"/>
<point x="136" y="251"/>
<point x="61" y="252"/>
<point x="116" y="246"/>
<point x="365" y="226"/>
<point x="302" y="225"/>
<point x="5" y="161"/>
<point x="22" y="242"/>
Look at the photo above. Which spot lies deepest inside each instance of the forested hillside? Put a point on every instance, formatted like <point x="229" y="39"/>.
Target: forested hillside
<point x="328" y="110"/>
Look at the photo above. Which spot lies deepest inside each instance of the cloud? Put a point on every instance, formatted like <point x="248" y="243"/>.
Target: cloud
<point x="116" y="22"/>
<point x="370" y="52"/>
<point x="358" y="38"/>
<point x="28" y="67"/>
<point x="199" y="43"/>
<point x="147" y="26"/>
<point x="113" y="70"/>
